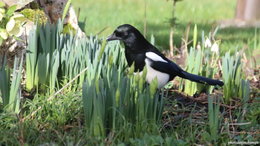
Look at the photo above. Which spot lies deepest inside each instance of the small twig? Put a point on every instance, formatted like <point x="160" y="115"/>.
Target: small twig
<point x="78" y="13"/>
<point x="102" y="30"/>
<point x="240" y="124"/>
<point x="145" y="18"/>
<point x="230" y="117"/>
<point x="171" y="42"/>
<point x="21" y="130"/>
<point x="184" y="46"/>
<point x="186" y="41"/>
<point x="244" y="132"/>
<point x="51" y="97"/>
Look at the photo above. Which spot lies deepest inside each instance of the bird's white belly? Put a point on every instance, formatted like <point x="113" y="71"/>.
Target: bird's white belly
<point x="152" y="74"/>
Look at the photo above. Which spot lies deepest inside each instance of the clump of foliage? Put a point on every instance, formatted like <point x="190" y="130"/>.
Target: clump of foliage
<point x="35" y="15"/>
<point x="214" y="118"/>
<point x="113" y="101"/>
<point x="235" y="84"/>
<point x="201" y="60"/>
<point x="42" y="59"/>
<point x="54" y="58"/>
<point x="10" y="22"/>
<point x="10" y="86"/>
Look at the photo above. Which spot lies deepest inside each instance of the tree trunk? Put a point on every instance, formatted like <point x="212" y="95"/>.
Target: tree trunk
<point x="247" y="15"/>
<point x="248" y="10"/>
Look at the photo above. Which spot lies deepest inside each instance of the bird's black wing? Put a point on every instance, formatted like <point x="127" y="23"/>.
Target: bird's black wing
<point x="167" y="67"/>
<point x="174" y="70"/>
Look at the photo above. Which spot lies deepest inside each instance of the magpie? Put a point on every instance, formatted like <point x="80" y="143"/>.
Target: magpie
<point x="142" y="53"/>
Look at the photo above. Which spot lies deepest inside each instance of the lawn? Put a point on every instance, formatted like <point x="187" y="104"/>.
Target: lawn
<point x="78" y="91"/>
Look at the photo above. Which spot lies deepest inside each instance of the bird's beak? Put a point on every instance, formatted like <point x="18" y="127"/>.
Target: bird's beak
<point x="112" y="37"/>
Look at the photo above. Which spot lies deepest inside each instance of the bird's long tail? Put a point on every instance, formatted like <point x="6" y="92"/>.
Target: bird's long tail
<point x="201" y="79"/>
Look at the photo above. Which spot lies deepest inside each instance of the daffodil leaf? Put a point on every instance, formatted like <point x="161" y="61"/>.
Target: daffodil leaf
<point x="11" y="10"/>
<point x="66" y="9"/>
<point x="10" y="25"/>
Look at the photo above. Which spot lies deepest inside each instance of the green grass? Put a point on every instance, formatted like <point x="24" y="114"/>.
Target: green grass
<point x="205" y="13"/>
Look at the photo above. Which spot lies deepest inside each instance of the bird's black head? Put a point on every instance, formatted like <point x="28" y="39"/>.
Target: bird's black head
<point x="129" y="35"/>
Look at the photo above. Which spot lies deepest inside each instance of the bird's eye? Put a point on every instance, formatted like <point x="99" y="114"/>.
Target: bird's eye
<point x="119" y="34"/>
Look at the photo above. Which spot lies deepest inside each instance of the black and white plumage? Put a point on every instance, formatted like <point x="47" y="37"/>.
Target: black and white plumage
<point x="140" y="52"/>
